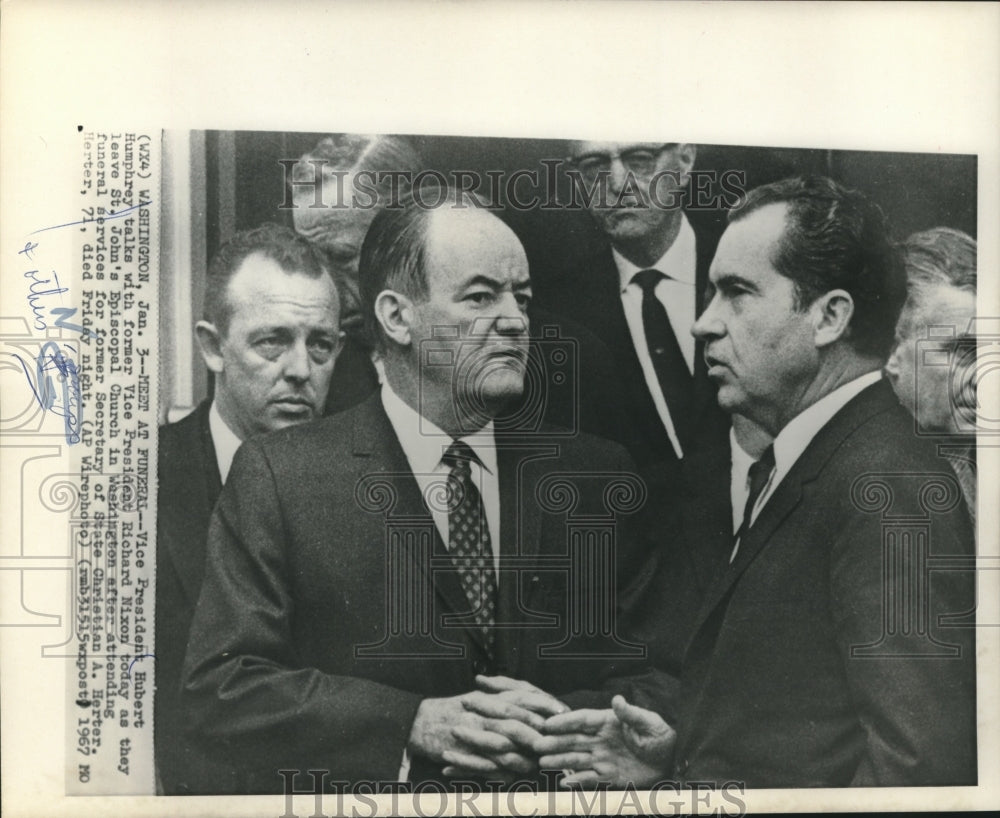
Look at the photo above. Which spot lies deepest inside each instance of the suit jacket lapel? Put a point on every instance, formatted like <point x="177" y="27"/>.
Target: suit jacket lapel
<point x="196" y="458"/>
<point x="375" y="440"/>
<point x="788" y="494"/>
<point x="519" y="463"/>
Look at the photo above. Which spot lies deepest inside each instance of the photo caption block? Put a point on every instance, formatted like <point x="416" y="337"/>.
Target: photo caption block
<point x="111" y="677"/>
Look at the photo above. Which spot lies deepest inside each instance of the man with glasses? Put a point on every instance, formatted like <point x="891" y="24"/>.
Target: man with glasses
<point x="639" y="289"/>
<point x="270" y="336"/>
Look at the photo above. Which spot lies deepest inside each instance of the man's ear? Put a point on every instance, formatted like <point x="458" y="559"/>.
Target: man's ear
<point x="832" y="314"/>
<point x="686" y="153"/>
<point x="394" y="312"/>
<point x="210" y="343"/>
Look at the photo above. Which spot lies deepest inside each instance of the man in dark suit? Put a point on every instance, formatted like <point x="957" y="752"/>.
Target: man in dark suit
<point x="365" y="569"/>
<point x="637" y="283"/>
<point x="270" y="336"/>
<point x="830" y="649"/>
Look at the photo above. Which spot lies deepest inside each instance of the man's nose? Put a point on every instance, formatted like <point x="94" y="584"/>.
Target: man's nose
<point x="618" y="174"/>
<point x="708" y="324"/>
<point x="297" y="363"/>
<point x="511" y="319"/>
<point x="892" y="365"/>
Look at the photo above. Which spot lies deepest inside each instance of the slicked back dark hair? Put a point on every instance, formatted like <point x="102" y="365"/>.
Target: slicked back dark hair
<point x="837" y="238"/>
<point x="294" y="254"/>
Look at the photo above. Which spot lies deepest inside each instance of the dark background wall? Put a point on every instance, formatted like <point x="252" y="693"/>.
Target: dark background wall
<point x="915" y="190"/>
<point x="244" y="185"/>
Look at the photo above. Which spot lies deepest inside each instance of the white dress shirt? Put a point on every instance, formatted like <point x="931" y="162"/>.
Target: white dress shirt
<point x="224" y="440"/>
<point x="424" y="444"/>
<point x="798" y="433"/>
<point x="800" y="430"/>
<point x="677" y="292"/>
<point x="739" y="478"/>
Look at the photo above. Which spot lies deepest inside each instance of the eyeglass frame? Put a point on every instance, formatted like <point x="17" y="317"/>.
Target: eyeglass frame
<point x="620" y="156"/>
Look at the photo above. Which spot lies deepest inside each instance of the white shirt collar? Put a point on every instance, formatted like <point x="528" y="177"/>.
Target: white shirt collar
<point x="424" y="443"/>
<point x="224" y="440"/>
<point x="800" y="430"/>
<point x="739" y="490"/>
<point x="678" y="262"/>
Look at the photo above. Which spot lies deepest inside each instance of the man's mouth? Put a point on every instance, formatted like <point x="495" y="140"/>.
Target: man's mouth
<point x="716" y="367"/>
<point x="293" y="404"/>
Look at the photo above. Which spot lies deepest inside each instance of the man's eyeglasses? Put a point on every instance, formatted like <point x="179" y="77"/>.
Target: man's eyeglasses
<point x="640" y="161"/>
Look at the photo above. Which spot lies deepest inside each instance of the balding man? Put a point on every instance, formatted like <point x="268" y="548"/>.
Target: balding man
<point x="302" y="657"/>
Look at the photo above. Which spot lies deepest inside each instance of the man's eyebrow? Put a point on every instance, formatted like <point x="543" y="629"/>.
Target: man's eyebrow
<point x="523" y="284"/>
<point x="730" y="280"/>
<point x="485" y="281"/>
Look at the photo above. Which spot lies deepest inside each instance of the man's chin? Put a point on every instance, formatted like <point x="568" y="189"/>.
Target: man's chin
<point x="730" y="401"/>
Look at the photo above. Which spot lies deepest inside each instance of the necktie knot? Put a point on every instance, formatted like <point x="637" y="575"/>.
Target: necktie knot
<point x="459" y="456"/>
<point x="760" y="471"/>
<point x="647" y="280"/>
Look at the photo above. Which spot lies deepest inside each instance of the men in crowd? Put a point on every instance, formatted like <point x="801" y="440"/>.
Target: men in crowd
<point x="352" y="177"/>
<point x="270" y="337"/>
<point x="932" y="367"/>
<point x="364" y="569"/>
<point x="336" y="189"/>
<point x="817" y="657"/>
<point x="640" y="291"/>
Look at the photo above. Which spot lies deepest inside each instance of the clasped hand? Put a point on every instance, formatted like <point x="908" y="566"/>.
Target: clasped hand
<point x="509" y="727"/>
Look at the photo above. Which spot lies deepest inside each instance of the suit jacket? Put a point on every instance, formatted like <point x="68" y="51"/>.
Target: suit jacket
<point x="581" y="282"/>
<point x="804" y="669"/>
<point x="689" y="526"/>
<point x="188" y="486"/>
<point x="300" y="657"/>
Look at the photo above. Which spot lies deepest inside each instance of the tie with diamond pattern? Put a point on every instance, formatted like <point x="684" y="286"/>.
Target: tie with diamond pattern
<point x="469" y="539"/>
<point x="759" y="473"/>
<point x="671" y="370"/>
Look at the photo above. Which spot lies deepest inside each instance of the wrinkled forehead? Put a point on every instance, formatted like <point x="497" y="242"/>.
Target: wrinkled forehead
<point x="939" y="310"/>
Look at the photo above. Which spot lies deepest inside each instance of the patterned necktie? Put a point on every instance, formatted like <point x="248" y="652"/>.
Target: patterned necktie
<point x="759" y="473"/>
<point x="469" y="539"/>
<point x="671" y="370"/>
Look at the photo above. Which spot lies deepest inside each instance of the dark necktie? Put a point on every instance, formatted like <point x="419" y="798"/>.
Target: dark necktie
<point x="668" y="360"/>
<point x="760" y="471"/>
<point x="469" y="539"/>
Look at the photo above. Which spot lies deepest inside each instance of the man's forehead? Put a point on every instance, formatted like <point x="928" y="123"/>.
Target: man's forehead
<point x="463" y="237"/>
<point x="751" y="239"/>
<point x="258" y="275"/>
<point x="581" y="147"/>
<point x="943" y="305"/>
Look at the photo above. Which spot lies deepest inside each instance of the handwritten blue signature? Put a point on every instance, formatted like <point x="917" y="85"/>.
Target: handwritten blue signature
<point x="109" y="216"/>
<point x="62" y="400"/>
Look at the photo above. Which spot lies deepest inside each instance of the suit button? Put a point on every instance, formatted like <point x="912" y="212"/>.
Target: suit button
<point x="682" y="767"/>
<point x="479" y="667"/>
